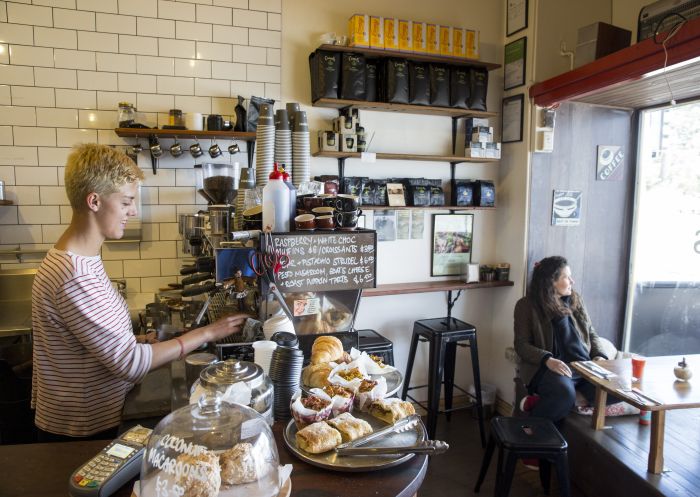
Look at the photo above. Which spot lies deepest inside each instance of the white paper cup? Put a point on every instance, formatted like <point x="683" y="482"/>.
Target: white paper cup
<point x="263" y="350"/>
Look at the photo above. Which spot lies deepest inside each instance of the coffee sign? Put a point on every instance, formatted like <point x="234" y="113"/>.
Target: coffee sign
<point x="331" y="260"/>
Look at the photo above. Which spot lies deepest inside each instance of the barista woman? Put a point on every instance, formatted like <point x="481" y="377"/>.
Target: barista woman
<point x="86" y="357"/>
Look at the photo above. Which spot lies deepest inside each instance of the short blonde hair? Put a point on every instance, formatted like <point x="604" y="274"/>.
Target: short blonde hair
<point x="97" y="168"/>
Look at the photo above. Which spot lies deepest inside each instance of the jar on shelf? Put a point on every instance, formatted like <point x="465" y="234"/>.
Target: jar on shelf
<point x="127" y="114"/>
<point x="175" y="118"/>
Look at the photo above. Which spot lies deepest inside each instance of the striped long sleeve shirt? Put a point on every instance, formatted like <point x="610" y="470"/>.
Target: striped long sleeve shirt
<point x="85" y="354"/>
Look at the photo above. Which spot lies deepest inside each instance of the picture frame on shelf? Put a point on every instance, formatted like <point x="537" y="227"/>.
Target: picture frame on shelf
<point x="451" y="244"/>
<point x="516" y="16"/>
<point x="512" y="116"/>
<point x="514" y="63"/>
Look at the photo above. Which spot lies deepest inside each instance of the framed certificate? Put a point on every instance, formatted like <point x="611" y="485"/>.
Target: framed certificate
<point x="516" y="17"/>
<point x="514" y="63"/>
<point x="512" y="114"/>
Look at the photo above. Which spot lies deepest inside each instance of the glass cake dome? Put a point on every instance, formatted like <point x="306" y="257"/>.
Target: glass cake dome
<point x="208" y="449"/>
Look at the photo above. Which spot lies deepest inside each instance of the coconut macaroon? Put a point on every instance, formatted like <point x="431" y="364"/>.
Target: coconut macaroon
<point x="203" y="479"/>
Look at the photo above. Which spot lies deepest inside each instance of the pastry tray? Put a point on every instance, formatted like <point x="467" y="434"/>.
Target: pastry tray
<point x="331" y="460"/>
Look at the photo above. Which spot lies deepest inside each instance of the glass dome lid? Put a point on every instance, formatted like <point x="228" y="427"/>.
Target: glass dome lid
<point x="212" y="448"/>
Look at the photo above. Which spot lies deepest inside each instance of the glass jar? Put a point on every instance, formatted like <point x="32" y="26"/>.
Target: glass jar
<point x="208" y="447"/>
<point x="127" y="114"/>
<point x="240" y="382"/>
<point x="175" y="118"/>
<point x="220" y="181"/>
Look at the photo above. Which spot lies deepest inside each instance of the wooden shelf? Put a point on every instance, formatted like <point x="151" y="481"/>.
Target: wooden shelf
<point x="415" y="157"/>
<point x="429" y="286"/>
<point x="339" y="103"/>
<point x="184" y="133"/>
<point x="6" y="202"/>
<point x="427" y="208"/>
<point x="632" y="77"/>
<point x="442" y="59"/>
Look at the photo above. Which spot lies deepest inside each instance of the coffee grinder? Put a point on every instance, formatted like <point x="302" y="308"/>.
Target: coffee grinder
<point x="219" y="185"/>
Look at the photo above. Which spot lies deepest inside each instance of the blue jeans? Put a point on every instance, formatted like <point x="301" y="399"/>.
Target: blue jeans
<point x="558" y="394"/>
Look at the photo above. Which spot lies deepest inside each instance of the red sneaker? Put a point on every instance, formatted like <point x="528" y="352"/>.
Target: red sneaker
<point x="529" y="402"/>
<point x="533" y="464"/>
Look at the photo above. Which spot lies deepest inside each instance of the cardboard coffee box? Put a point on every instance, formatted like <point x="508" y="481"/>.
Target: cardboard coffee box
<point x="358" y="31"/>
<point x="405" y="35"/>
<point x="459" y="48"/>
<point x="420" y="32"/>
<point x="344" y="124"/>
<point x="348" y="142"/>
<point x="433" y="39"/>
<point x="472" y="44"/>
<point x="376" y="32"/>
<point x="391" y="33"/>
<point x="446" y="40"/>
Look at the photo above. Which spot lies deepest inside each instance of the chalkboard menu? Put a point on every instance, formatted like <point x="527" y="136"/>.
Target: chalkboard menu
<point x="327" y="260"/>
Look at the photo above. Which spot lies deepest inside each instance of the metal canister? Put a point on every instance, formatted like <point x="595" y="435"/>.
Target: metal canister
<point x="195" y="364"/>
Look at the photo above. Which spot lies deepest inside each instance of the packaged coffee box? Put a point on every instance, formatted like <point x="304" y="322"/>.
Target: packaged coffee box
<point x="325" y="74"/>
<point x="396" y="82"/>
<point x="471" y="43"/>
<point x="391" y="33"/>
<point x="376" y="32"/>
<point x="433" y="39"/>
<point x="419" y="195"/>
<point x="328" y="141"/>
<point x="446" y="40"/>
<point x="419" y="37"/>
<point x="437" y="195"/>
<point x="439" y="85"/>
<point x="371" y="80"/>
<point x="478" y="85"/>
<point x="459" y="87"/>
<point x="484" y="193"/>
<point x="418" y="84"/>
<point x="358" y="30"/>
<point x="405" y="35"/>
<point x="352" y="83"/>
<point x="459" y="48"/>
<point x="463" y="194"/>
<point x="348" y="142"/>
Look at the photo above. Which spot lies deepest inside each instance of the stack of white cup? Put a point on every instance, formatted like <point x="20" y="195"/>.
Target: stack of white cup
<point x="264" y="145"/>
<point x="277" y="323"/>
<point x="262" y="353"/>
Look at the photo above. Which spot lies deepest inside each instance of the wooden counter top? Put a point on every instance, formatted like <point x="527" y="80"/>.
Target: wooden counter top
<point x="42" y="470"/>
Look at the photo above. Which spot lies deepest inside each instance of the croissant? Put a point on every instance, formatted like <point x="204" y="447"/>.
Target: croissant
<point x="326" y="349"/>
<point x="316" y="375"/>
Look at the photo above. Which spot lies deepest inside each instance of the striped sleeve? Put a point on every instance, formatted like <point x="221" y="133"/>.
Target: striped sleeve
<point x="98" y="323"/>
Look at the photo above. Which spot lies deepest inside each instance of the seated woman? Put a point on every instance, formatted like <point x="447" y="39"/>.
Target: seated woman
<point x="552" y="329"/>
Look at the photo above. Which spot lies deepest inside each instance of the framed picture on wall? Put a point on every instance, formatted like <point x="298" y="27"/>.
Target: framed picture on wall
<point x="514" y="63"/>
<point x="512" y="115"/>
<point x="516" y="17"/>
<point x="452" y="244"/>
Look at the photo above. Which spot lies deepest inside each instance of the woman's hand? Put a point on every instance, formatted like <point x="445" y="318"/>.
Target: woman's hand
<point x="558" y="367"/>
<point x="226" y="326"/>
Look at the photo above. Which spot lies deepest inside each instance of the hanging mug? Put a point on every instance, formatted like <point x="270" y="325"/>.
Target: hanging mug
<point x="176" y="149"/>
<point x="215" y="151"/>
<point x="234" y="148"/>
<point x="196" y="150"/>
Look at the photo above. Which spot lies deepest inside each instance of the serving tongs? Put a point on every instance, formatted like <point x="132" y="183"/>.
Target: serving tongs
<point x="430" y="447"/>
<point x="404" y="424"/>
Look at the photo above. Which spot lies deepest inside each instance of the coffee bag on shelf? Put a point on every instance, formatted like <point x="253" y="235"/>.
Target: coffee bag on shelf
<point x="478" y="84"/>
<point x="325" y="74"/>
<point x="439" y="85"/>
<point x="418" y="84"/>
<point x="352" y="84"/>
<point x="459" y="87"/>
<point x="396" y="81"/>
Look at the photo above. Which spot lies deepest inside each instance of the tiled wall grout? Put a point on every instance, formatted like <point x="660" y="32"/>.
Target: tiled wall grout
<point x="66" y="66"/>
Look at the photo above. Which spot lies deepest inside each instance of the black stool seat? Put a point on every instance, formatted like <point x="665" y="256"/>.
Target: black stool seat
<point x="443" y="336"/>
<point x="373" y="343"/>
<point x="532" y="438"/>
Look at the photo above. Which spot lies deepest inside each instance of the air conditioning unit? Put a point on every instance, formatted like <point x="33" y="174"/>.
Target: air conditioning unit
<point x="659" y="17"/>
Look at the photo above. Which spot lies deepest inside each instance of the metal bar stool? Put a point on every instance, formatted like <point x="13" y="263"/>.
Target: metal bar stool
<point x="373" y="343"/>
<point x="444" y="335"/>
<point x="534" y="438"/>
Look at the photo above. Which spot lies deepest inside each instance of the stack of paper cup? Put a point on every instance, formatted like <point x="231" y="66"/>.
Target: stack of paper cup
<point x="277" y="323"/>
<point x="283" y="140"/>
<point x="301" y="149"/>
<point x="264" y="145"/>
<point x="262" y="355"/>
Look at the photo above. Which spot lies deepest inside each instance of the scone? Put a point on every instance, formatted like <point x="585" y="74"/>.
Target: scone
<point x="318" y="437"/>
<point x="350" y="427"/>
<point x="203" y="478"/>
<point x="238" y="465"/>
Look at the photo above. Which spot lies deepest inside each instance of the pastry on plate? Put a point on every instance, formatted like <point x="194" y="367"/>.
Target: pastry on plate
<point x="307" y="410"/>
<point x="318" y="437"/>
<point x="316" y="375"/>
<point x="391" y="410"/>
<point x="326" y="349"/>
<point x="350" y="427"/>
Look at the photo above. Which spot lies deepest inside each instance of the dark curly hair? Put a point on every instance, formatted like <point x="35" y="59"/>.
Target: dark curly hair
<point x="541" y="289"/>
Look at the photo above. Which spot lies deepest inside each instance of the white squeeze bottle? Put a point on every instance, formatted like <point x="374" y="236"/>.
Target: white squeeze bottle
<point x="276" y="203"/>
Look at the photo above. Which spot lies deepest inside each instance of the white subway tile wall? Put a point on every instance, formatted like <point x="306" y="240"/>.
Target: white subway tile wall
<point x="66" y="66"/>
